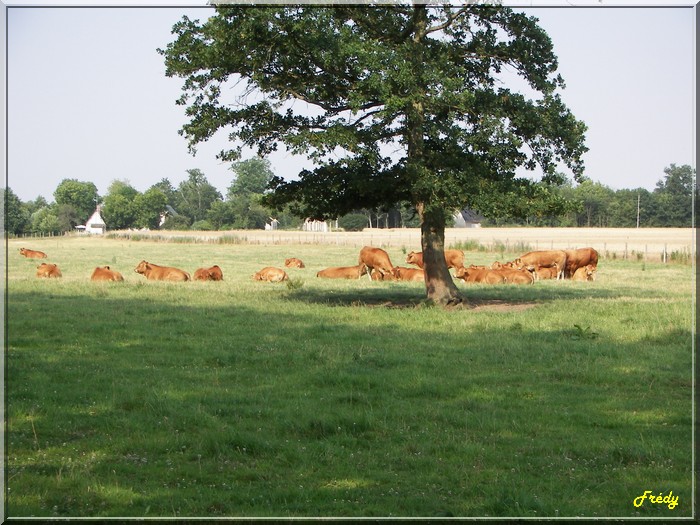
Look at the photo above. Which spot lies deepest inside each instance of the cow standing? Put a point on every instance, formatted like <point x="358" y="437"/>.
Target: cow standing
<point x="375" y="258"/>
<point x="543" y="259"/>
<point x="580" y="258"/>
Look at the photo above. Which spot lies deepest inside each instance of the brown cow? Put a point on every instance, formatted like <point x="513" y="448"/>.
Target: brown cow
<point x="47" y="270"/>
<point x="271" y="275"/>
<point x="376" y="275"/>
<point x="476" y="274"/>
<point x="32" y="254"/>
<point x="154" y="272"/>
<point x="408" y="274"/>
<point x="576" y="259"/>
<point x="499" y="265"/>
<point x="586" y="273"/>
<point x="543" y="258"/>
<point x="453" y="258"/>
<point x="375" y="258"/>
<point x="293" y="262"/>
<point x="343" y="272"/>
<point x="514" y="276"/>
<point x="208" y="274"/>
<point x="546" y="272"/>
<point x="105" y="273"/>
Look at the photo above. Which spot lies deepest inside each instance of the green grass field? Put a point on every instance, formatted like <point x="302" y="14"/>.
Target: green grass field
<point x="341" y="398"/>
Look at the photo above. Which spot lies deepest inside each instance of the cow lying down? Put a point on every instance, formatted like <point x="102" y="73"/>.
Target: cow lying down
<point x="208" y="274"/>
<point x="105" y="273"/>
<point x="481" y="274"/>
<point x="343" y="272"/>
<point x="271" y="275"/>
<point x="154" y="272"/>
<point x="48" y="271"/>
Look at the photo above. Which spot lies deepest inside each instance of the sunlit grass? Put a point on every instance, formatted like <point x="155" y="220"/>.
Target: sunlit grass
<point x="340" y="398"/>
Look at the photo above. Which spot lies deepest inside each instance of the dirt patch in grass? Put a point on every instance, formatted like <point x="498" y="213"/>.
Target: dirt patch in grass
<point x="499" y="306"/>
<point x="492" y="305"/>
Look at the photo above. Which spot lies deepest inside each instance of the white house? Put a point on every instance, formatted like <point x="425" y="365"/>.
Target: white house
<point x="95" y="224"/>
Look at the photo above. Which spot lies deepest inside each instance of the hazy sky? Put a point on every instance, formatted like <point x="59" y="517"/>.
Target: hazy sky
<point x="88" y="98"/>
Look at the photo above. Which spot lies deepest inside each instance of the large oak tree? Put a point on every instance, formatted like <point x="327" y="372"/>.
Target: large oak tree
<point x="393" y="104"/>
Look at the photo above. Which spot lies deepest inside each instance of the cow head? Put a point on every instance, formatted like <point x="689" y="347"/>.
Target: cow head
<point x="142" y="267"/>
<point x="590" y="272"/>
<point x="412" y="257"/>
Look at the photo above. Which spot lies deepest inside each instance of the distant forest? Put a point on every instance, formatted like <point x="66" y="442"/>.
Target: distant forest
<point x="197" y="205"/>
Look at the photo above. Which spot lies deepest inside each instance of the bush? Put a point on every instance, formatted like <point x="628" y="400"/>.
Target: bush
<point x="353" y="222"/>
<point x="203" y="226"/>
<point x="177" y="222"/>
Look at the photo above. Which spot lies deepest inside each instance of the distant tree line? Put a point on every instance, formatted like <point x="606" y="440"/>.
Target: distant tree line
<point x="592" y="204"/>
<point x="197" y="205"/>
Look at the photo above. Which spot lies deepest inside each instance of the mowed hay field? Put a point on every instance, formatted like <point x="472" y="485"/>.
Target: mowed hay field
<point x="323" y="398"/>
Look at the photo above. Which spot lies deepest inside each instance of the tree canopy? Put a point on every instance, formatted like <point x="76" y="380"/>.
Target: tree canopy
<point x="393" y="103"/>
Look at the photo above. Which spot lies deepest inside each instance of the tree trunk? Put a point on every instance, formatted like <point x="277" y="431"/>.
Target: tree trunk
<point x="439" y="285"/>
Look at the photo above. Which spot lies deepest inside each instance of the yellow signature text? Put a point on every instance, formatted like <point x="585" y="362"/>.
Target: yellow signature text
<point x="669" y="499"/>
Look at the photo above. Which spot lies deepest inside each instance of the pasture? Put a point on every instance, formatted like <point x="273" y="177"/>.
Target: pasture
<point x="323" y="398"/>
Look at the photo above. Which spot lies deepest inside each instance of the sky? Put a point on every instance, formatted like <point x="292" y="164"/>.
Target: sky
<point x="88" y="99"/>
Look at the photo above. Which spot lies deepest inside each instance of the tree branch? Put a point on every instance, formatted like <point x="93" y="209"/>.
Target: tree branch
<point x="448" y="22"/>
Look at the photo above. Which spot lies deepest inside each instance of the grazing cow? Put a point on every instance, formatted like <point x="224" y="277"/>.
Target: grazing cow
<point x="293" y="262"/>
<point x="47" y="271"/>
<point x="271" y="275"/>
<point x="105" y="273"/>
<point x="208" y="274"/>
<point x="586" y="273"/>
<point x="476" y="274"/>
<point x="375" y="258"/>
<point x="544" y="259"/>
<point x="408" y="274"/>
<point x="343" y="272"/>
<point x="576" y="259"/>
<point x="154" y="272"/>
<point x="453" y="258"/>
<point x="32" y="254"/>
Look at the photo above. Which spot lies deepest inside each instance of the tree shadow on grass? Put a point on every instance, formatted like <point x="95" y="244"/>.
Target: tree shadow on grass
<point x="499" y="297"/>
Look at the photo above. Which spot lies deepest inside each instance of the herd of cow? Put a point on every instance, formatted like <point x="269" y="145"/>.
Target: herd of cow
<point x="579" y="265"/>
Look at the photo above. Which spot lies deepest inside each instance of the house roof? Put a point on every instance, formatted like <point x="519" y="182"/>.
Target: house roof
<point x="95" y="219"/>
<point x="471" y="216"/>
